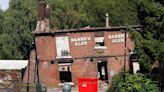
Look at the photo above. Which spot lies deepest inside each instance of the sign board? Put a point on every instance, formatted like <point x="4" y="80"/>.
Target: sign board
<point x="80" y="41"/>
<point x="117" y="38"/>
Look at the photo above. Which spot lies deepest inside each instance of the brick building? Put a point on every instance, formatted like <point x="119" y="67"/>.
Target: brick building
<point x="66" y="55"/>
<point x="11" y="72"/>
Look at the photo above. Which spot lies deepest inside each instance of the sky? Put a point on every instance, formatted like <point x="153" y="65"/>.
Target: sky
<point x="4" y="4"/>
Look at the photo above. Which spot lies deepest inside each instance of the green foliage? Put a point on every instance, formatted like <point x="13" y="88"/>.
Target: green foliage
<point x="19" y="21"/>
<point x="81" y="13"/>
<point x="149" y="43"/>
<point x="133" y="83"/>
<point x="1" y="20"/>
<point x="67" y="14"/>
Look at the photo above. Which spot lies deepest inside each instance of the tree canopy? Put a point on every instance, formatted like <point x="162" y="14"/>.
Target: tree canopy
<point x="80" y="13"/>
<point x="19" y="20"/>
<point x="150" y="42"/>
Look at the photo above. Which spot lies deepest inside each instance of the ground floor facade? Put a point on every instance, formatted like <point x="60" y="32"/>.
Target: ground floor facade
<point x="55" y="72"/>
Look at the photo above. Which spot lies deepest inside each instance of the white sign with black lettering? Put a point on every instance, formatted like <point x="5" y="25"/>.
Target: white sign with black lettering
<point x="117" y="38"/>
<point x="80" y="41"/>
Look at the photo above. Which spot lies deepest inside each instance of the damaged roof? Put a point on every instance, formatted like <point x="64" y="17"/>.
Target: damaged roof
<point x="86" y="29"/>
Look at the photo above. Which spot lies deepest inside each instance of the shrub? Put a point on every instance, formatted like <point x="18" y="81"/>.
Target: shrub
<point x="133" y="83"/>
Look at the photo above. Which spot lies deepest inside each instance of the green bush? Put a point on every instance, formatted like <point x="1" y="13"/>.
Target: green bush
<point x="133" y="83"/>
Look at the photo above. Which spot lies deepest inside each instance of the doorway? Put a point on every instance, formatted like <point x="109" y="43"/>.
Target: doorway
<point x="102" y="70"/>
<point x="65" y="74"/>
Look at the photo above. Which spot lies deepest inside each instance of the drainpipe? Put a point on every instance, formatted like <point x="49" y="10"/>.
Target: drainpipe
<point x="28" y="75"/>
<point x="36" y="63"/>
<point x="125" y="57"/>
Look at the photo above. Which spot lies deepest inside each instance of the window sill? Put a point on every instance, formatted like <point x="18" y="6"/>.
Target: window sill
<point x="100" y="47"/>
<point x="64" y="57"/>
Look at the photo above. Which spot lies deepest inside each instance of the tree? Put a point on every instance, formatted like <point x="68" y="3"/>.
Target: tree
<point x="67" y="14"/>
<point x="19" y="22"/>
<point x="133" y="83"/>
<point x="150" y="42"/>
<point x="1" y="19"/>
<point x="81" y="13"/>
<point x="121" y="12"/>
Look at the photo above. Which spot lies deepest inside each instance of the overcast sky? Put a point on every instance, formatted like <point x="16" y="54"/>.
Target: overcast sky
<point x="4" y="4"/>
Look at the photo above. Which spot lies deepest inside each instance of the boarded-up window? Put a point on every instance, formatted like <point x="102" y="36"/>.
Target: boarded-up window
<point x="62" y="46"/>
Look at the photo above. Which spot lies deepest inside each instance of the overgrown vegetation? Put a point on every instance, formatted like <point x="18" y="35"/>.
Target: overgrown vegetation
<point x="150" y="42"/>
<point x="133" y="83"/>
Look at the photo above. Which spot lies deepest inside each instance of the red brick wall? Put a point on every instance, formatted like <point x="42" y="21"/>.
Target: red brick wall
<point x="46" y="51"/>
<point x="117" y="48"/>
<point x="29" y="75"/>
<point x="83" y="69"/>
<point x="48" y="73"/>
<point x="81" y="51"/>
<point x="45" y="47"/>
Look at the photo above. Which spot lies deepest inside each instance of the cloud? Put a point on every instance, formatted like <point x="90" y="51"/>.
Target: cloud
<point x="4" y="4"/>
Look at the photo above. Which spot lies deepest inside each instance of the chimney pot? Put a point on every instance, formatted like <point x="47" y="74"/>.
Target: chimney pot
<point x="47" y="14"/>
<point x="107" y="20"/>
<point x="41" y="12"/>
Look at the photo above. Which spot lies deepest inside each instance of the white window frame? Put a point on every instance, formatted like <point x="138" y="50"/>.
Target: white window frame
<point x="66" y="48"/>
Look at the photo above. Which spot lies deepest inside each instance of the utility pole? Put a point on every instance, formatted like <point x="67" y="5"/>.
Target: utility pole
<point x="125" y="55"/>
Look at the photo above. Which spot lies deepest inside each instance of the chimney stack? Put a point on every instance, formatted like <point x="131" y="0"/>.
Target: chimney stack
<point x="107" y="20"/>
<point x="41" y="12"/>
<point x="43" y="17"/>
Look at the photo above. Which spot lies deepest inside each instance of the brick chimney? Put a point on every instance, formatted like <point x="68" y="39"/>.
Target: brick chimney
<point x="41" y="12"/>
<point x="43" y="17"/>
<point x="107" y="20"/>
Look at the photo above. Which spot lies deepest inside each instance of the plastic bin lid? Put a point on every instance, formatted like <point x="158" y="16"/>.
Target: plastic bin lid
<point x="87" y="79"/>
